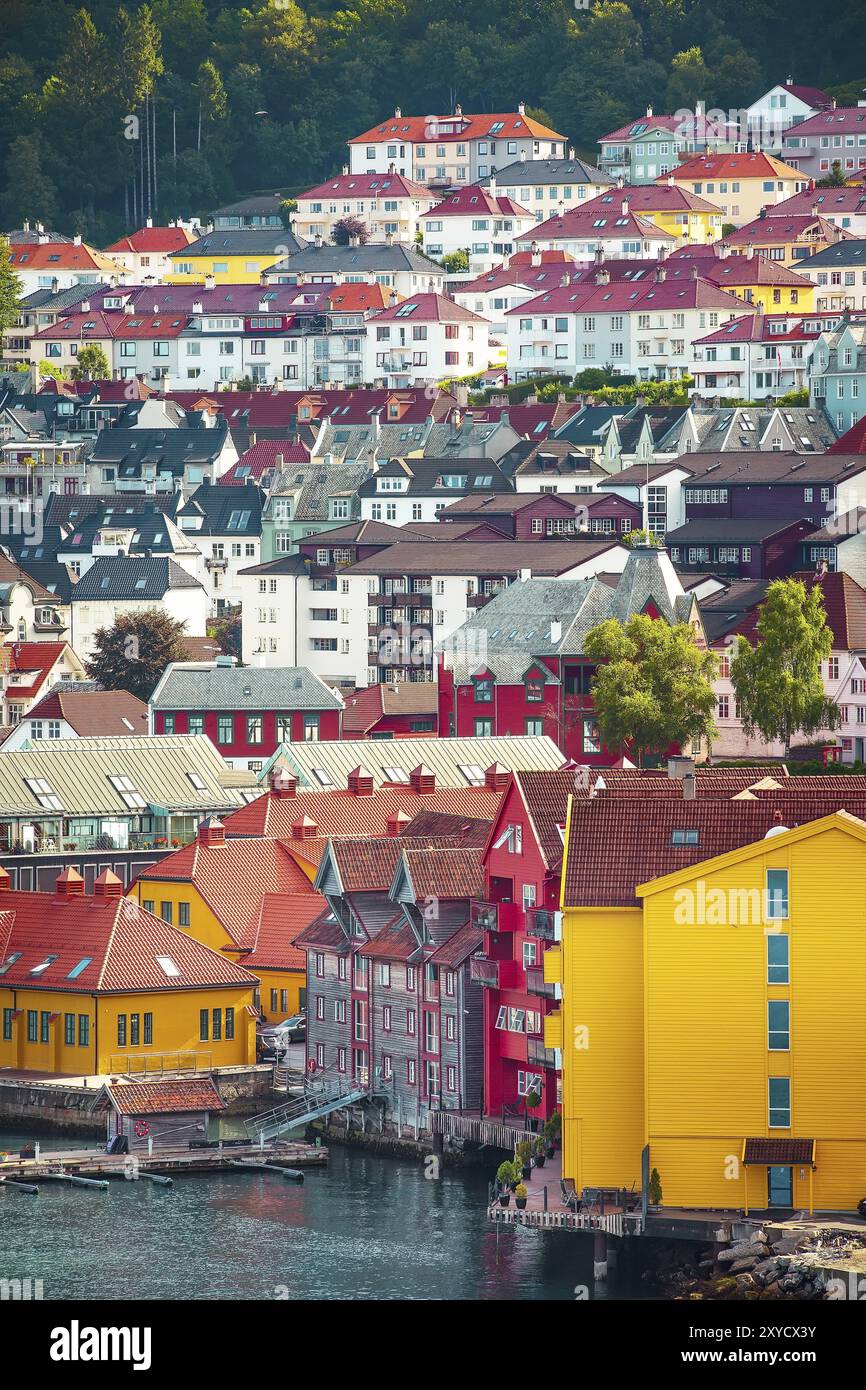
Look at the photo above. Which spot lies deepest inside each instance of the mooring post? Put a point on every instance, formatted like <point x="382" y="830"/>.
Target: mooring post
<point x="599" y="1257"/>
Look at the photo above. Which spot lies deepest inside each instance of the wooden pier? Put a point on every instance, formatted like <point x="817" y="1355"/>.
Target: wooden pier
<point x="95" y="1164"/>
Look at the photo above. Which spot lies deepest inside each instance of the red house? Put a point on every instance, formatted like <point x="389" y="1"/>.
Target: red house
<point x="519" y="666"/>
<point x="526" y="516"/>
<point x="247" y="711"/>
<point x="522" y="862"/>
<point x="409" y="709"/>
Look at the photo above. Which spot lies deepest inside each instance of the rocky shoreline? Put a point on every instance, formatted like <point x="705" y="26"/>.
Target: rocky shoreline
<point x="781" y="1265"/>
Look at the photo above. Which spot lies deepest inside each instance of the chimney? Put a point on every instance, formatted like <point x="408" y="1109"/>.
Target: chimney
<point x="317" y="241"/>
<point x="304" y="829"/>
<point x="571" y="151"/>
<point x="564" y="279"/>
<point x="360" y="782"/>
<point x="108" y="885"/>
<point x="398" y="112"/>
<point x="283" y="783"/>
<point x="535" y="254"/>
<point x="602" y="276"/>
<point x="197" y="307"/>
<point x="397" y="822"/>
<point x="69" y="884"/>
<point x="84" y="306"/>
<point x="389" y="238"/>
<point x="55" y="285"/>
<point x="521" y="108"/>
<point x="624" y="206"/>
<point x="76" y="240"/>
<point x="689" y="786"/>
<point x="496" y="777"/>
<point x="148" y="223"/>
<point x="599" y="255"/>
<point x="211" y="832"/>
<point x="392" y="299"/>
<point x="661" y="274"/>
<point x="649" y="111"/>
<point x="680" y="766"/>
<point x="346" y="169"/>
<point x="422" y="779"/>
<point x="693" y="272"/>
<point x="555" y="630"/>
<point x="263" y="306"/>
<point x="458" y="110"/>
<point x="210" y="282"/>
<point x="670" y="180"/>
<point x="492" y="185"/>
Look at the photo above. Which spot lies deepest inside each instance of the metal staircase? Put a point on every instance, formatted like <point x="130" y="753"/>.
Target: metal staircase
<point x="320" y="1098"/>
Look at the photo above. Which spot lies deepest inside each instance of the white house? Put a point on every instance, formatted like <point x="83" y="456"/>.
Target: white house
<point x="482" y="223"/>
<point x="388" y="205"/>
<point x="522" y="277"/>
<point x="549" y="186"/>
<point x="780" y="109"/>
<point x="618" y="232"/>
<point x="289" y="617"/>
<point x="455" y="149"/>
<point x="120" y="585"/>
<point x="425" y="338"/>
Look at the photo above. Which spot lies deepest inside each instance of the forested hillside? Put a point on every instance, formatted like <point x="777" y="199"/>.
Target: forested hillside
<point x="228" y="97"/>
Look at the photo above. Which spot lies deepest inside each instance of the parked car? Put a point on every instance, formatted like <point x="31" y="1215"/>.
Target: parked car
<point x="275" y="1038"/>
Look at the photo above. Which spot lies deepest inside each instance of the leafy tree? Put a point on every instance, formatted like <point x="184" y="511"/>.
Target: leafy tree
<point x="689" y="81"/>
<point x="591" y="379"/>
<point x="91" y="364"/>
<point x="778" y="681"/>
<point x="133" y="654"/>
<point x="46" y="369"/>
<point x="347" y="228"/>
<point x="641" y="537"/>
<point x="10" y="288"/>
<point x="835" y="178"/>
<point x="654" y="685"/>
<point x="455" y="262"/>
<point x="288" y="209"/>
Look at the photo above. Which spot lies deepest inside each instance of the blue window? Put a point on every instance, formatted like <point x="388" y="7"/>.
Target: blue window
<point x="778" y="1025"/>
<point x="780" y="1102"/>
<point x="777" y="894"/>
<point x="778" y="959"/>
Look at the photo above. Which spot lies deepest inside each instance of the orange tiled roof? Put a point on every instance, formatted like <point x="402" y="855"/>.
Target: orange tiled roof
<point x="166" y="1097"/>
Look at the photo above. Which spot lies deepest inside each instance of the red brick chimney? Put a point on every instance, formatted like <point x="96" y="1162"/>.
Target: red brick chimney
<point x="496" y="777"/>
<point x="360" y="782"/>
<point x="211" y="832"/>
<point x="69" y="883"/>
<point x="397" y="822"/>
<point x="108" y="885"/>
<point x="422" y="779"/>
<point x="283" y="783"/>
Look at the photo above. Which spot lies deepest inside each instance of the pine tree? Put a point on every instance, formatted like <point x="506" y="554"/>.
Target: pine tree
<point x="10" y="288"/>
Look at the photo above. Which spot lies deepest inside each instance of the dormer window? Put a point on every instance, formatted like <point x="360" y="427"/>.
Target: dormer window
<point x="483" y="689"/>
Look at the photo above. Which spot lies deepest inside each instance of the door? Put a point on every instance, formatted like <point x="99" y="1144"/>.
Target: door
<point x="780" y="1186"/>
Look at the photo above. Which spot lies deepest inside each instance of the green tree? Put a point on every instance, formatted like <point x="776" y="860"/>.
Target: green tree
<point x="689" y="81"/>
<point x="30" y="194"/>
<point x="653" y="687"/>
<point x="347" y="228"/>
<point x="778" y="681"/>
<point x="641" y="537"/>
<point x="91" y="364"/>
<point x="133" y="654"/>
<point x="10" y="288"/>
<point x="456" y="261"/>
<point x="835" y="178"/>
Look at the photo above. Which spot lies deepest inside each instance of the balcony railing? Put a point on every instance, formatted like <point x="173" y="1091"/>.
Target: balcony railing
<point x="536" y="983"/>
<point x="488" y="916"/>
<point x="543" y="924"/>
<point x="484" y="971"/>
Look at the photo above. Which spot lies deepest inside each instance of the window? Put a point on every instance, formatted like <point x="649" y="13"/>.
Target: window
<point x="386" y="1018"/>
<point x="779" y="1102"/>
<point x="166" y="911"/>
<point x="121" y="1030"/>
<point x="411" y="1022"/>
<point x="183" y="915"/>
<point x="203" y="1024"/>
<point x="135" y="1030"/>
<point x="254" y="728"/>
<point x="320" y="966"/>
<point x="778" y="1025"/>
<point x="68" y="1027"/>
<point x="148" y="1029"/>
<point x="131" y="798"/>
<point x="483" y="728"/>
<point x="44" y="1026"/>
<point x="83" y="1030"/>
<point x="32" y="1025"/>
<point x="483" y="691"/>
<point x="225" y="728"/>
<point x="777" y="894"/>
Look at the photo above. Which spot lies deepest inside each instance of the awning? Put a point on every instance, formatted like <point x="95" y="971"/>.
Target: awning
<point x="782" y="1151"/>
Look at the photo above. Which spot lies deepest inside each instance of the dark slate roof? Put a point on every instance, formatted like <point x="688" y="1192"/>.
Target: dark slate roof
<point x="197" y="686"/>
<point x="313" y="484"/>
<point x="481" y="475"/>
<point x="547" y="171"/>
<point x="224" y="511"/>
<point x="133" y="577"/>
<point x="732" y="528"/>
<point x="841" y="253"/>
<point x="58" y="579"/>
<point x="52" y="301"/>
<point x="284" y="564"/>
<point x="242" y="241"/>
<point x="587" y="427"/>
<point x="376" y="255"/>
<point x="113" y="508"/>
<point x="169" y="451"/>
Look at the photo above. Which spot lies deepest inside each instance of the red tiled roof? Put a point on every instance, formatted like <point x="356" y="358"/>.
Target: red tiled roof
<point x="617" y="843"/>
<point x="94" y="712"/>
<point x="366" y="186"/>
<point x="165" y="1097"/>
<point x="155" y="240"/>
<point x="428" y="307"/>
<point x="648" y="197"/>
<point x="473" y="200"/>
<point x="38" y="657"/>
<point x="853" y="441"/>
<point x="122" y="940"/>
<point x="580" y="224"/>
<point x="453" y="952"/>
<point x="752" y="270"/>
<point x="366" y="707"/>
<point x="755" y="165"/>
<point x="510" y="124"/>
<point x="262" y="456"/>
<point x="59" y="255"/>
<point x="826" y="201"/>
<point x="444" y="872"/>
<point x="841" y="121"/>
<point x="783" y="227"/>
<point x="626" y="296"/>
<point x="259" y="410"/>
<point x="368" y="865"/>
<point x="110" y="325"/>
<point x="324" y="931"/>
<point x="812" y="96"/>
<point x="358" y="298"/>
<point x="396" y="941"/>
<point x="232" y="877"/>
<point x="268" y="942"/>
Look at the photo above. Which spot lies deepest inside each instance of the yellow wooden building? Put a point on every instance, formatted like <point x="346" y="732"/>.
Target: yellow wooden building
<point x="706" y="1028"/>
<point x="91" y="985"/>
<point x="231" y="257"/>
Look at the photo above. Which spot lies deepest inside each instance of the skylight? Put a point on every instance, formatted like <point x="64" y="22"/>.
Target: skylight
<point x="43" y="965"/>
<point x="167" y="965"/>
<point x="131" y="798"/>
<point x="44" y="793"/>
<point x="323" y="777"/>
<point x="81" y="966"/>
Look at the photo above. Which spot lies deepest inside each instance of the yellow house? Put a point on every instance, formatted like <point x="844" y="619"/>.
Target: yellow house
<point x="769" y="285"/>
<point x="785" y="239"/>
<point x="245" y="898"/>
<point x="672" y="209"/>
<point x="703" y="1024"/>
<point x="93" y="985"/>
<point x="739" y="185"/>
<point x="230" y="257"/>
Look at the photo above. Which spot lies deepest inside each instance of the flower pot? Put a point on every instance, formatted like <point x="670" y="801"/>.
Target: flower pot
<point x="504" y="1198"/>
<point x="520" y="1202"/>
<point x="540" y="1160"/>
<point x="527" y="1171"/>
<point x="551" y="1151"/>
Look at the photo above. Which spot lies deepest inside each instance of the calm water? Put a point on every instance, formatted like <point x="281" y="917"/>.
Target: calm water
<point x="362" y="1228"/>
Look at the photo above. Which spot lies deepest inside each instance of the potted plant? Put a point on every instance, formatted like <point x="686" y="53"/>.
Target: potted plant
<point x="520" y="1195"/>
<point x="523" y="1154"/>
<point x="654" y="1191"/>
<point x="539" y="1151"/>
<point x="553" y="1132"/>
<point x="504" y="1178"/>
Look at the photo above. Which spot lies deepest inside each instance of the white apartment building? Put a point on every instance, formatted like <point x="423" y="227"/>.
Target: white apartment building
<point x="644" y="329"/>
<point x="756" y="355"/>
<point x="525" y="275"/>
<point x="288" y="616"/>
<point x="483" y="224"/>
<point x="425" y="338"/>
<point x="549" y="186"/>
<point x="618" y="232"/>
<point x="445" y="150"/>
<point x="387" y="204"/>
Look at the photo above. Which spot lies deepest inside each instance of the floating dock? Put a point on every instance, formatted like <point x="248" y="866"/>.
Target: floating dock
<point x="90" y="1167"/>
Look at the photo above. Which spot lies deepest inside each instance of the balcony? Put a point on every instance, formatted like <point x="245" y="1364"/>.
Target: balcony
<point x="488" y="916"/>
<point x="493" y="974"/>
<point x="544" y="925"/>
<point x="536" y="983"/>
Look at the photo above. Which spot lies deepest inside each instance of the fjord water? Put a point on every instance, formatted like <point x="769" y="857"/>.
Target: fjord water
<point x="363" y="1228"/>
